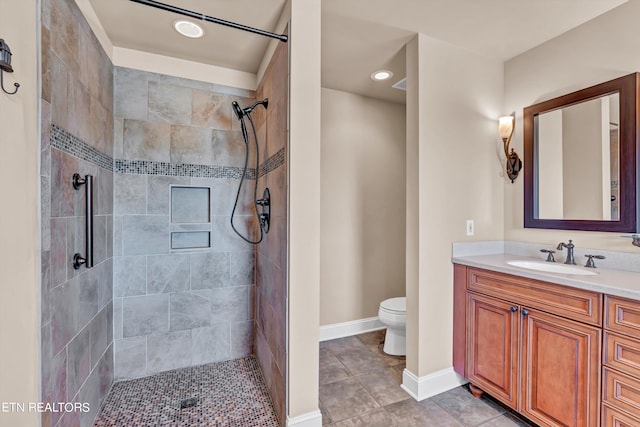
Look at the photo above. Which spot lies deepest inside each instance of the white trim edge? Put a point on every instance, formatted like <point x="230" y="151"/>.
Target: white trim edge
<point x="310" y="419"/>
<point x="347" y="329"/>
<point x="421" y="388"/>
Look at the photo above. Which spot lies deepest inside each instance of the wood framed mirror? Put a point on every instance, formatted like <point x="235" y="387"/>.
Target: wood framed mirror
<point x="581" y="159"/>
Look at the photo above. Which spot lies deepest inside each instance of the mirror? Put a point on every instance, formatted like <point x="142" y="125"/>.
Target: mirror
<point x="572" y="144"/>
<point x="580" y="159"/>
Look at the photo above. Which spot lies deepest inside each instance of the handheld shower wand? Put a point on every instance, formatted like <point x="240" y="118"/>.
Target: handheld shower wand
<point x="241" y="113"/>
<point x="237" y="110"/>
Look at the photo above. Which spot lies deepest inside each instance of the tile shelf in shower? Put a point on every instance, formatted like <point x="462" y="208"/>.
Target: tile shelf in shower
<point x="190" y="218"/>
<point x="190" y="205"/>
<point x="191" y="240"/>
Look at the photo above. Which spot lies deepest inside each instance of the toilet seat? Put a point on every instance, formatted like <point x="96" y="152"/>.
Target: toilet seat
<point x="394" y="305"/>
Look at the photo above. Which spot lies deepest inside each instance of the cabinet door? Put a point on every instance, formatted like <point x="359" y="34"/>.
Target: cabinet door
<point x="492" y="347"/>
<point x="560" y="370"/>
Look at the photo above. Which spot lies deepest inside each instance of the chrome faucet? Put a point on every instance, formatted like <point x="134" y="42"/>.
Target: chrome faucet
<point x="569" y="247"/>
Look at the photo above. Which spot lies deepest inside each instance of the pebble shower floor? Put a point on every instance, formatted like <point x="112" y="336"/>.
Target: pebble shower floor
<point x="229" y="394"/>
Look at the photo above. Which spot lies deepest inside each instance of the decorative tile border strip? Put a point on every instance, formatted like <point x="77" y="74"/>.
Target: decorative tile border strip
<point x="145" y="167"/>
<point x="273" y="162"/>
<point x="71" y="144"/>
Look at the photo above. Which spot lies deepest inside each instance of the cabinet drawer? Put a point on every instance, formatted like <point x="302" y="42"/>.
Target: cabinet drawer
<point x="621" y="391"/>
<point x="577" y="304"/>
<point x="622" y="315"/>
<point x="622" y="353"/>
<point x="614" y="418"/>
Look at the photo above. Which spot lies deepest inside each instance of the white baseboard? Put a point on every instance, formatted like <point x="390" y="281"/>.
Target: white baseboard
<point x="346" y="329"/>
<point x="421" y="388"/>
<point x="310" y="419"/>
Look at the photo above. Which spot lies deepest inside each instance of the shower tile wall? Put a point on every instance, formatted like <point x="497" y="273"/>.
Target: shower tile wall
<point x="179" y="308"/>
<point x="271" y="276"/>
<point x="76" y="305"/>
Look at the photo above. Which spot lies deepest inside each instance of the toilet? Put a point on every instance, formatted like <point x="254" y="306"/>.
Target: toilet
<point x="393" y="314"/>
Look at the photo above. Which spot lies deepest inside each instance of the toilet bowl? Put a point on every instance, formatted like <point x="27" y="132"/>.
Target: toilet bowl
<point x="393" y="314"/>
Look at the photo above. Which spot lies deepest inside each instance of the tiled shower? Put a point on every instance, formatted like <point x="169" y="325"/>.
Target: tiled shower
<point x="172" y="286"/>
<point x="176" y="306"/>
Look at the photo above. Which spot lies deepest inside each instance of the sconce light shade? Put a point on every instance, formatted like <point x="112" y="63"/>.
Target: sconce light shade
<point x="505" y="126"/>
<point x="5" y="57"/>
<point x="505" y="129"/>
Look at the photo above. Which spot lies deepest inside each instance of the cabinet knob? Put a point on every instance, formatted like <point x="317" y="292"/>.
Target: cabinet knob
<point x="514" y="309"/>
<point x="525" y="311"/>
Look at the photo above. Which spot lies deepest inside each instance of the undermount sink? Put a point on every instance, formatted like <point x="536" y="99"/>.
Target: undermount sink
<point x="552" y="268"/>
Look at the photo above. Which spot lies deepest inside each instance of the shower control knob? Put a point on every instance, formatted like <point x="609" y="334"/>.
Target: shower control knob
<point x="264" y="222"/>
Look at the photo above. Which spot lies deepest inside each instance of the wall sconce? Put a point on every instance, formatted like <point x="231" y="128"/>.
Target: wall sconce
<point x="505" y="129"/>
<point x="5" y="65"/>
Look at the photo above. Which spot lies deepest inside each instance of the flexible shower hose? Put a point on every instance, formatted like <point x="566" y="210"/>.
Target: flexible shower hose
<point x="244" y="173"/>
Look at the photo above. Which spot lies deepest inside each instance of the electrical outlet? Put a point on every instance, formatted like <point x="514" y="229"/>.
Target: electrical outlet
<point x="469" y="227"/>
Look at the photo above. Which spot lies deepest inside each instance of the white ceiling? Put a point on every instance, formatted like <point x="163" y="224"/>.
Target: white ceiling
<point x="358" y="36"/>
<point x="136" y="26"/>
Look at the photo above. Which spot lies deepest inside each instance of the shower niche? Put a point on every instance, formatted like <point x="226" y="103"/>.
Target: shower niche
<point x="190" y="217"/>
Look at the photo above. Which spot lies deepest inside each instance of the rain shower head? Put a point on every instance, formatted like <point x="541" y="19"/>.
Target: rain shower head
<point x="241" y="112"/>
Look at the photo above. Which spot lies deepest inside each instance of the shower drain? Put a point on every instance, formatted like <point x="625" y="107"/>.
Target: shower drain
<point x="188" y="403"/>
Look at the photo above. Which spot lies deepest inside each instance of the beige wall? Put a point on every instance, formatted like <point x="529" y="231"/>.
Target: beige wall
<point x="19" y="219"/>
<point x="304" y="207"/>
<point x="550" y="203"/>
<point x="597" y="51"/>
<point x="453" y="174"/>
<point x="362" y="205"/>
<point x="581" y="160"/>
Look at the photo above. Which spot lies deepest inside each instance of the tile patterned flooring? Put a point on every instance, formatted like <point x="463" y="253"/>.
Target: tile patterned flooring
<point x="360" y="387"/>
<point x="229" y="394"/>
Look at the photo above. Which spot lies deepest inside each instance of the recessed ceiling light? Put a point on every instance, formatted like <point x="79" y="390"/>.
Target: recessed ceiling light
<point x="189" y="29"/>
<point x="382" y="75"/>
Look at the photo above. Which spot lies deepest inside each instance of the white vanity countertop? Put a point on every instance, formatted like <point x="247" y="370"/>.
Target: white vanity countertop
<point x="613" y="282"/>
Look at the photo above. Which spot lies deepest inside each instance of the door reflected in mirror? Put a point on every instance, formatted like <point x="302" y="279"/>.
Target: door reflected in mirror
<point x="578" y="153"/>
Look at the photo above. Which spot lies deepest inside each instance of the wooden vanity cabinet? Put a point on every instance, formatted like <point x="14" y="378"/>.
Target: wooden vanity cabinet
<point x="525" y="348"/>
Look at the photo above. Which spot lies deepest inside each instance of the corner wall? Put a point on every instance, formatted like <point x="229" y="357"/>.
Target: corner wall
<point x="304" y="212"/>
<point x="362" y="205"/>
<point x="19" y="253"/>
<point x="599" y="50"/>
<point x="271" y="253"/>
<point x="77" y="137"/>
<point x="453" y="174"/>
